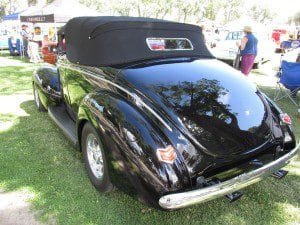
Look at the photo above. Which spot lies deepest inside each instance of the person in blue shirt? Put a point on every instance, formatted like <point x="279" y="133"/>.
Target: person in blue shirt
<point x="248" y="49"/>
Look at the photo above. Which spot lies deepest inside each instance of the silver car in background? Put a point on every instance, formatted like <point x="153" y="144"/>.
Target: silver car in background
<point x="226" y="48"/>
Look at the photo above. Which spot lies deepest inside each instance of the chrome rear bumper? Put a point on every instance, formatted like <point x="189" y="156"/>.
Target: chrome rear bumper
<point x="184" y="199"/>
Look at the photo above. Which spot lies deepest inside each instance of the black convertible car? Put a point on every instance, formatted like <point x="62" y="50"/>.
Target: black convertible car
<point x="145" y="97"/>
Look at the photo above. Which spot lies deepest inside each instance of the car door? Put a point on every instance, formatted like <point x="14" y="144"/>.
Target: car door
<point x="65" y="80"/>
<point x="76" y="87"/>
<point x="227" y="48"/>
<point x="231" y="43"/>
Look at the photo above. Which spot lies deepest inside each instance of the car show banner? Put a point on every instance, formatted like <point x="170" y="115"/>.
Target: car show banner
<point x="38" y="19"/>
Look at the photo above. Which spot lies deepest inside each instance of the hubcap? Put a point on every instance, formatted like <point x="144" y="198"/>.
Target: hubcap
<point x="36" y="97"/>
<point x="94" y="155"/>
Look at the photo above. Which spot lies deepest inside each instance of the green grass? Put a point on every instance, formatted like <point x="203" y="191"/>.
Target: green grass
<point x="34" y="155"/>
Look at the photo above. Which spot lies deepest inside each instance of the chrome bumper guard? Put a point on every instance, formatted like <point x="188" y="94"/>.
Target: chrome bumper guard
<point x="184" y="199"/>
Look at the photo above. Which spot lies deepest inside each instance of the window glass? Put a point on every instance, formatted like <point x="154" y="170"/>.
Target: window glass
<point x="169" y="44"/>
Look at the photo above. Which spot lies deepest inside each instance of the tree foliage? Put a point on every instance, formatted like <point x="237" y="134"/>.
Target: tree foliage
<point x="295" y="19"/>
<point x="179" y="10"/>
<point x="8" y="6"/>
<point x="261" y="14"/>
<point x="192" y="11"/>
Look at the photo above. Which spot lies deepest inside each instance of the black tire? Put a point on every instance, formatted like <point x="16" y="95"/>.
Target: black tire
<point x="37" y="100"/>
<point x="103" y="183"/>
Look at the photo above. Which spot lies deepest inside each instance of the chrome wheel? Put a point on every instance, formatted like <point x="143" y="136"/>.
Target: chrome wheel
<point x="36" y="98"/>
<point x="94" y="155"/>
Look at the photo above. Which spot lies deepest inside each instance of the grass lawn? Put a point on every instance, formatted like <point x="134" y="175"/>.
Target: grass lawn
<point x="35" y="156"/>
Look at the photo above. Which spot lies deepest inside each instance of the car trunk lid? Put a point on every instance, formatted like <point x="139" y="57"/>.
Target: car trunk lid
<point x="208" y="100"/>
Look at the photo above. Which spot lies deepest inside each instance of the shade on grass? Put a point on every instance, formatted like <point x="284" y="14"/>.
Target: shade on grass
<point x="35" y="155"/>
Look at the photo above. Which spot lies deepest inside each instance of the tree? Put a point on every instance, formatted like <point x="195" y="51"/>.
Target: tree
<point x="32" y="2"/>
<point x="35" y="2"/>
<point x="95" y="4"/>
<point x="261" y="14"/>
<point x="211" y="9"/>
<point x="295" y="19"/>
<point x="188" y="9"/>
<point x="3" y="5"/>
<point x="122" y="8"/>
<point x="162" y="8"/>
<point x="181" y="10"/>
<point x="8" y="6"/>
<point x="232" y="10"/>
<point x="2" y="11"/>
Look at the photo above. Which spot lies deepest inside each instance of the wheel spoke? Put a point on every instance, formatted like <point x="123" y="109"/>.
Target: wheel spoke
<point x="95" y="158"/>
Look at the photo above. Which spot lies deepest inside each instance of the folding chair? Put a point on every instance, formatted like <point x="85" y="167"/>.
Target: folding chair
<point x="288" y="83"/>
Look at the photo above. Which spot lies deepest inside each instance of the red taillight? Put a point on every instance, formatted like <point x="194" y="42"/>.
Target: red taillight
<point x="167" y="155"/>
<point x="285" y="118"/>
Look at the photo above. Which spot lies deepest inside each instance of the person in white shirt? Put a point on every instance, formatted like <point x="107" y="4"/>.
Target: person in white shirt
<point x="34" y="45"/>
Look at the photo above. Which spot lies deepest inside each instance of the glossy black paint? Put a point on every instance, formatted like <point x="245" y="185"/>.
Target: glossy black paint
<point x="46" y="79"/>
<point x="215" y="119"/>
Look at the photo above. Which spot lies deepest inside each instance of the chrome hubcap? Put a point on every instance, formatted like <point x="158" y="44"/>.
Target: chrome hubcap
<point x="36" y="98"/>
<point x="94" y="155"/>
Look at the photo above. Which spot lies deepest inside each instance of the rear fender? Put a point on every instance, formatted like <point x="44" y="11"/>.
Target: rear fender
<point x="280" y="129"/>
<point x="130" y="144"/>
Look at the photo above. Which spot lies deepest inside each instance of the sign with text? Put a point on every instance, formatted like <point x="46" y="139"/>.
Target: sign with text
<point x="38" y="19"/>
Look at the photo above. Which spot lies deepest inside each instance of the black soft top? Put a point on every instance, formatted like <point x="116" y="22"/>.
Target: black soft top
<point x="109" y="41"/>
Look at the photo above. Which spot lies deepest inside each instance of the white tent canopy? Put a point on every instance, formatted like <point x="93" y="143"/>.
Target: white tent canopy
<point x="63" y="10"/>
<point x="32" y="10"/>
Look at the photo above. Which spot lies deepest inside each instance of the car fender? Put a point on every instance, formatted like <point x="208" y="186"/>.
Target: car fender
<point x="131" y="142"/>
<point x="47" y="81"/>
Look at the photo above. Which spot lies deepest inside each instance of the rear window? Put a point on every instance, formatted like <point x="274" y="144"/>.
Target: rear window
<point x="169" y="44"/>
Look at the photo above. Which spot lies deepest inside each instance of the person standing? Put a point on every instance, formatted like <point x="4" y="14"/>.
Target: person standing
<point x="35" y="45"/>
<point x="25" y="37"/>
<point x="248" y="49"/>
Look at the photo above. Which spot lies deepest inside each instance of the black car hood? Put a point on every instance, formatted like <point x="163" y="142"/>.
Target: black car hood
<point x="222" y="110"/>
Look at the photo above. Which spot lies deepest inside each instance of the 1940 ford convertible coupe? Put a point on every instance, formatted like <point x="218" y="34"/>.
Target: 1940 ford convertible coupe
<point x="146" y="98"/>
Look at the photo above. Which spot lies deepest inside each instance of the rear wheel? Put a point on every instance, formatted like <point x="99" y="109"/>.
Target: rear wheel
<point x="94" y="157"/>
<point x="37" y="100"/>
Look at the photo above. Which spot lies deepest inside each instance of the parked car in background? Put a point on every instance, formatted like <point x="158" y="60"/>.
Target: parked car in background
<point x="159" y="109"/>
<point x="212" y="39"/>
<point x="226" y="49"/>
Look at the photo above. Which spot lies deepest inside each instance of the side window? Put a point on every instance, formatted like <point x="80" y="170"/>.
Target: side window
<point x="229" y="36"/>
<point x="240" y="35"/>
<point x="235" y="36"/>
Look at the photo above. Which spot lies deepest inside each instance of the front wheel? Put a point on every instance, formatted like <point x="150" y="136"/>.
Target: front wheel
<point x="94" y="157"/>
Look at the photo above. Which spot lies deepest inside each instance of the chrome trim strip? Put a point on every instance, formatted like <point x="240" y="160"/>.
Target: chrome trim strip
<point x="139" y="102"/>
<point x="184" y="199"/>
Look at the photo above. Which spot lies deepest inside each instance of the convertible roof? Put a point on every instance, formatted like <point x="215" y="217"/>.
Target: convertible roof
<point x="109" y="41"/>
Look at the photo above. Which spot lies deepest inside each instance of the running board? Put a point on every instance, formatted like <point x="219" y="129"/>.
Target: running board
<point x="60" y="116"/>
